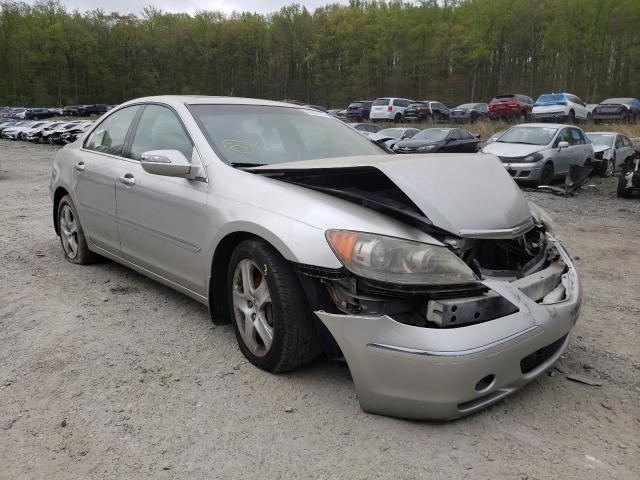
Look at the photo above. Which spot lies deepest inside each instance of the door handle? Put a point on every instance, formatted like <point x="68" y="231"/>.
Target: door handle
<point x="79" y="166"/>
<point x="128" y="179"/>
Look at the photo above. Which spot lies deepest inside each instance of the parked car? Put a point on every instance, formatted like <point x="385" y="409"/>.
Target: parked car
<point x="511" y="106"/>
<point x="97" y="109"/>
<point x="611" y="151"/>
<point x="539" y="153"/>
<point x="54" y="135"/>
<point x="41" y="135"/>
<point x="334" y="112"/>
<point x="14" y="132"/>
<point x="38" y="113"/>
<point x="72" y="134"/>
<point x="29" y="133"/>
<point x="389" y="109"/>
<point x="617" y="109"/>
<point x="367" y="129"/>
<point x="563" y="107"/>
<point x="18" y="113"/>
<point x="359" y="110"/>
<point x="445" y="140"/>
<point x="469" y="112"/>
<point x="7" y="124"/>
<point x="322" y="241"/>
<point x="427" y="110"/>
<point x="342" y="114"/>
<point x="71" y="110"/>
<point x="389" y="136"/>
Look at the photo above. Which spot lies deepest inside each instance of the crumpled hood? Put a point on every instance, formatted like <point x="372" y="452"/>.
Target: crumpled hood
<point x="512" y="149"/>
<point x="600" y="148"/>
<point x="456" y="192"/>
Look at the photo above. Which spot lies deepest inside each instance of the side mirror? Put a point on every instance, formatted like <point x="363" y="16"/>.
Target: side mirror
<point x="477" y="135"/>
<point x="562" y="145"/>
<point x="169" y="163"/>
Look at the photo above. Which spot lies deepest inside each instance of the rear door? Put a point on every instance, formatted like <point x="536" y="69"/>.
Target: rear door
<point x="94" y="178"/>
<point x="162" y="221"/>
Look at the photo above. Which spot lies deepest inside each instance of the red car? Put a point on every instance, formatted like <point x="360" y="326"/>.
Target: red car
<point x="511" y="106"/>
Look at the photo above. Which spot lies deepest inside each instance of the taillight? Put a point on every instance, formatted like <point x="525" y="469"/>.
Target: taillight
<point x="389" y="108"/>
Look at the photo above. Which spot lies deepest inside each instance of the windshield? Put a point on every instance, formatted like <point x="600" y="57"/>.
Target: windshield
<point x="467" y="106"/>
<point x="381" y="101"/>
<point x="551" y="99"/>
<point x="601" y="138"/>
<point x="432" y="134"/>
<point x="529" y="135"/>
<point x="266" y="135"/>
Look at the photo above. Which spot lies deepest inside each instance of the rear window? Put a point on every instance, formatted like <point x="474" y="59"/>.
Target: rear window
<point x="618" y="101"/>
<point x="417" y="105"/>
<point x="498" y="98"/>
<point x="381" y="101"/>
<point x="355" y="105"/>
<point x="550" y="98"/>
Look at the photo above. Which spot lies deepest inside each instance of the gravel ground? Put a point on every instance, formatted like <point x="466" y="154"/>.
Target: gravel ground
<point x="106" y="374"/>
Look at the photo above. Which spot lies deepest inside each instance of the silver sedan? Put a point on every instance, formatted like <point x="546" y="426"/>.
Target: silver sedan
<point x="441" y="287"/>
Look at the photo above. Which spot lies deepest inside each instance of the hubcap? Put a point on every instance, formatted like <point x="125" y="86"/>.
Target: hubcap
<point x="252" y="307"/>
<point x="68" y="231"/>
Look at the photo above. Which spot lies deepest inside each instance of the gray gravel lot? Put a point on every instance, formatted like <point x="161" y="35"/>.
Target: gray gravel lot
<point x="106" y="374"/>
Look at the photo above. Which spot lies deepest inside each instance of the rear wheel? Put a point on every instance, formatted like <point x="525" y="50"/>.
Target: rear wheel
<point x="572" y="116"/>
<point x="397" y="118"/>
<point x="74" y="243"/>
<point x="271" y="319"/>
<point x="523" y="117"/>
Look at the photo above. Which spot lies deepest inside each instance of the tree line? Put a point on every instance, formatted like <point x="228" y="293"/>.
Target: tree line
<point x="448" y="50"/>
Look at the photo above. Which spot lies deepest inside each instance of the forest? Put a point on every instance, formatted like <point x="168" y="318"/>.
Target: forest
<point x="448" y="50"/>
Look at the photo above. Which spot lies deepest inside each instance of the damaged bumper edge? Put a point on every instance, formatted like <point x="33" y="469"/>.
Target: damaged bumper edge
<point x="429" y="373"/>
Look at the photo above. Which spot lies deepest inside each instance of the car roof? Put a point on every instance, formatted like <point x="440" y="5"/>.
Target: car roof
<point x="209" y="100"/>
<point x="547" y="125"/>
<point x="603" y="133"/>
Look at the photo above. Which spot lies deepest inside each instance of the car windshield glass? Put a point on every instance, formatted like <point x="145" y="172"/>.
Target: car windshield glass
<point x="416" y="105"/>
<point x="618" y="101"/>
<point x="391" y="132"/>
<point x="529" y="135"/>
<point x="381" y="101"/>
<point x="502" y="97"/>
<point x="550" y="99"/>
<point x="432" y="134"/>
<point x="601" y="138"/>
<point x="268" y="135"/>
<point x="355" y="104"/>
<point x="466" y="106"/>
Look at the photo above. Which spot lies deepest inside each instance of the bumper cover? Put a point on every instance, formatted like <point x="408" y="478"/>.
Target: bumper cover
<point x="423" y="373"/>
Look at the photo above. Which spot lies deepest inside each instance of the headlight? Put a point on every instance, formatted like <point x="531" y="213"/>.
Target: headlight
<point x="543" y="217"/>
<point x="426" y="148"/>
<point x="536" y="157"/>
<point x="398" y="261"/>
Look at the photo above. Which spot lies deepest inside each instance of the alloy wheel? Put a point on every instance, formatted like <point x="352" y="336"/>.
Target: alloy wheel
<point x="252" y="307"/>
<point x="610" y="168"/>
<point x="68" y="231"/>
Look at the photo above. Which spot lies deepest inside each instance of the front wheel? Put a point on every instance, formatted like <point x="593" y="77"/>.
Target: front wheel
<point x="271" y="319"/>
<point x="546" y="176"/>
<point x="608" y="168"/>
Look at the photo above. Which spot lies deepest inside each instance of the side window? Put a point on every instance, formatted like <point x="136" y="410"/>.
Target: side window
<point x="110" y="135"/>
<point x="465" y="135"/>
<point x="619" y="142"/>
<point x="563" y="136"/>
<point x="576" y="136"/>
<point x="625" y="141"/>
<point x="454" y="135"/>
<point x="160" y="129"/>
<point x="397" y="103"/>
<point x="411" y="132"/>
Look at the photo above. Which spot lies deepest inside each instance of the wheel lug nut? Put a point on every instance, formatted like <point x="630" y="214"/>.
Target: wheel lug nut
<point x="250" y="303"/>
<point x="253" y="316"/>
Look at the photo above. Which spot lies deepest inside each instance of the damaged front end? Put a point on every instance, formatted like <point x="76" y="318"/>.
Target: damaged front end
<point x="439" y="330"/>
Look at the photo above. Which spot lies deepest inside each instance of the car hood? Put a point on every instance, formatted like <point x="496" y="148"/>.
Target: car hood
<point x="512" y="149"/>
<point x="415" y="143"/>
<point x="600" y="148"/>
<point x="456" y="193"/>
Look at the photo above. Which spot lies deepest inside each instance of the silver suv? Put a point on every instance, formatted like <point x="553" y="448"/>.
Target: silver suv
<point x="540" y="152"/>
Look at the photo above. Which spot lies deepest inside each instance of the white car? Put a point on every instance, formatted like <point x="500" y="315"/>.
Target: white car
<point x="14" y="133"/>
<point x="389" y="108"/>
<point x="30" y="133"/>
<point x="612" y="151"/>
<point x="560" y="107"/>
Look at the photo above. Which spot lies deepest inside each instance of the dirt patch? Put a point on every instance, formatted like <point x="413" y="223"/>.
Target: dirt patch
<point x="106" y="374"/>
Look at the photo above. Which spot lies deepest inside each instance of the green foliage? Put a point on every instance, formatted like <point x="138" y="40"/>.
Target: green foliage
<point x="452" y="50"/>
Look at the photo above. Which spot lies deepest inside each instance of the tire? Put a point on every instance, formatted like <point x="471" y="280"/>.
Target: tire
<point x="589" y="118"/>
<point x="523" y="117"/>
<point x="572" y="117"/>
<point x="285" y="315"/>
<point x="546" y="176"/>
<point x="622" y="190"/>
<point x="70" y="229"/>
<point x="608" y="168"/>
<point x="397" y="118"/>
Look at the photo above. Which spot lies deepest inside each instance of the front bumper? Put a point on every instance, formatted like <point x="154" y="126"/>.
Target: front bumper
<point x="423" y="373"/>
<point x="550" y="116"/>
<point x="524" y="171"/>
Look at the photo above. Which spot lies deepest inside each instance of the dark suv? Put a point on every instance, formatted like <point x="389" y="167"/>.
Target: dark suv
<point x="38" y="113"/>
<point x="359" y="110"/>
<point x="427" y="110"/>
<point x="617" y="109"/>
<point x="511" y="106"/>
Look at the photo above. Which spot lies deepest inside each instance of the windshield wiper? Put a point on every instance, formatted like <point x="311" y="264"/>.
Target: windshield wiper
<point x="246" y="164"/>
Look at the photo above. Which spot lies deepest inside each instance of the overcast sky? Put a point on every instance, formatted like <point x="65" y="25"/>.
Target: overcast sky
<point x="191" y="6"/>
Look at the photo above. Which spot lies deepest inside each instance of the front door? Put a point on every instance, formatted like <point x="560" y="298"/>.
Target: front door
<point x="94" y="174"/>
<point x="162" y="221"/>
